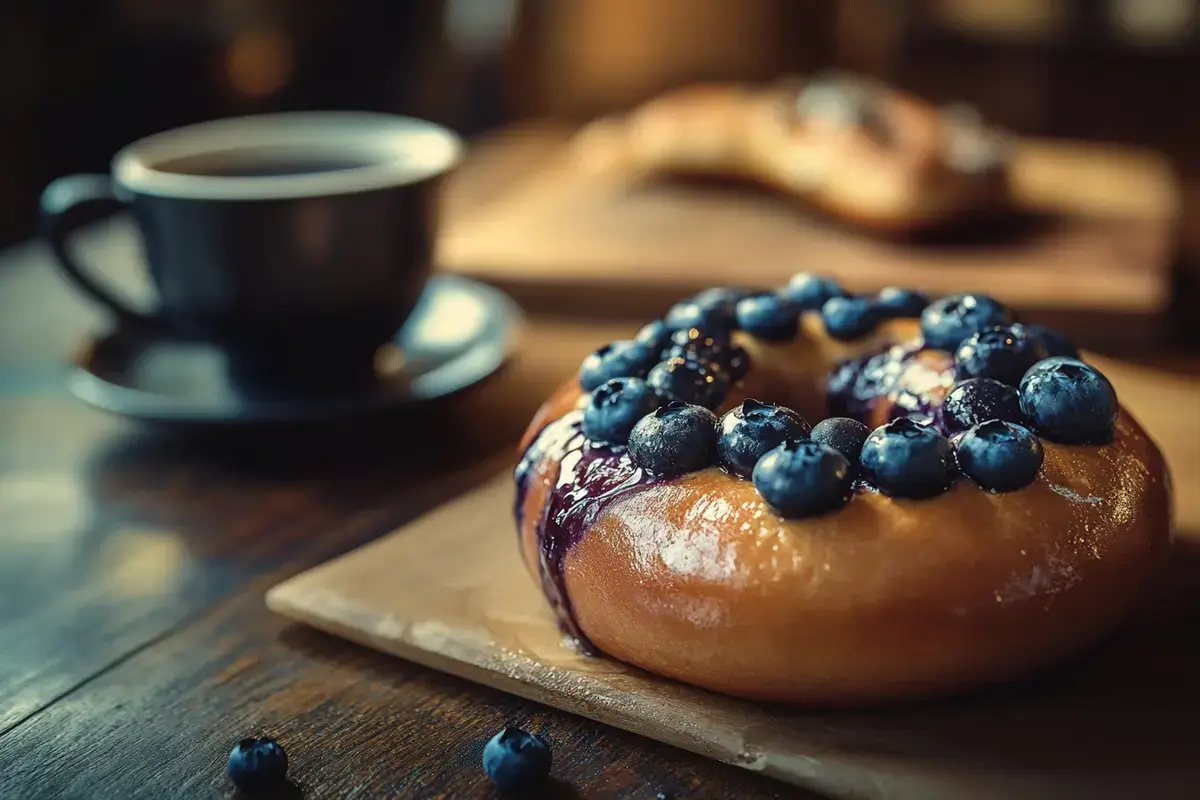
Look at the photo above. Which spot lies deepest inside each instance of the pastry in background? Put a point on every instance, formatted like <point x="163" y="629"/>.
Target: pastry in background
<point x="850" y="147"/>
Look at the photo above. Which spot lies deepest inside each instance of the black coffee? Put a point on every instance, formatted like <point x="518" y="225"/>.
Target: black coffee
<point x="256" y="163"/>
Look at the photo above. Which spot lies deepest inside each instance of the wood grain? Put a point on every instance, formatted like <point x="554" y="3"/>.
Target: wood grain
<point x="450" y="592"/>
<point x="579" y="241"/>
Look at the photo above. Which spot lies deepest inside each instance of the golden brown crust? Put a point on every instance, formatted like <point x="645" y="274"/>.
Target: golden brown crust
<point x="697" y="579"/>
<point x="903" y="182"/>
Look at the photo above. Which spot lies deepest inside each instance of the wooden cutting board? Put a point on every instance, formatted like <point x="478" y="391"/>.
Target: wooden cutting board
<point x="563" y="240"/>
<point x="450" y="592"/>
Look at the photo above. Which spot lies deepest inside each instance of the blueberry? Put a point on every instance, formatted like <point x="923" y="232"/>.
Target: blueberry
<point x="695" y="344"/>
<point x="675" y="439"/>
<point x="768" y="317"/>
<point x="726" y="295"/>
<point x="946" y="322"/>
<point x="1054" y="342"/>
<point x="907" y="459"/>
<point x="1003" y="353"/>
<point x="999" y="456"/>
<point x="711" y="309"/>
<point x="257" y="765"/>
<point x="736" y="363"/>
<point x="515" y="760"/>
<point x="804" y="479"/>
<point x="1068" y="401"/>
<point x="615" y="407"/>
<point x="977" y="400"/>
<point x="621" y="359"/>
<point x="892" y="302"/>
<point x="746" y="432"/>
<point x="809" y="292"/>
<point x="655" y="335"/>
<point x="842" y="434"/>
<point x="688" y="381"/>
<point x="849" y="318"/>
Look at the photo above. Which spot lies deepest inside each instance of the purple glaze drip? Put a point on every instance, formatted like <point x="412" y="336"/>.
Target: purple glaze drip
<point x="856" y="387"/>
<point x="589" y="478"/>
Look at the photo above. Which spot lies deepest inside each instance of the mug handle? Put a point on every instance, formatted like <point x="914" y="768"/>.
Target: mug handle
<point x="58" y="200"/>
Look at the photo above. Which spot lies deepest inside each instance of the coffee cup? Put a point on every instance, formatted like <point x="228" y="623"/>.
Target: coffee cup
<point x="297" y="243"/>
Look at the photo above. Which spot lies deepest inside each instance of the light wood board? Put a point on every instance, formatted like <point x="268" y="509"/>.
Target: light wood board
<point x="449" y="591"/>
<point x="568" y="240"/>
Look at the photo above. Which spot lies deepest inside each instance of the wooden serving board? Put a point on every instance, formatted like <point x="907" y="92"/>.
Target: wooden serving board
<point x="449" y="591"/>
<point x="566" y="240"/>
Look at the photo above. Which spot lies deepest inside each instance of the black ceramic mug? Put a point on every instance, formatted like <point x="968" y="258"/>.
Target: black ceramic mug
<point x="297" y="243"/>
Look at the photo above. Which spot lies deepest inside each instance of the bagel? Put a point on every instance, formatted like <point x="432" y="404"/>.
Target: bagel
<point x="813" y="577"/>
<point x="850" y="147"/>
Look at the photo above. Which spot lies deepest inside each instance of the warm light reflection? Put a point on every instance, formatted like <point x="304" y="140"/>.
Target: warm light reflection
<point x="48" y="504"/>
<point x="143" y="562"/>
<point x="259" y="63"/>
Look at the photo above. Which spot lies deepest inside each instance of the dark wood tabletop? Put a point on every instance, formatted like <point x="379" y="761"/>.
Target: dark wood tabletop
<point x="136" y="646"/>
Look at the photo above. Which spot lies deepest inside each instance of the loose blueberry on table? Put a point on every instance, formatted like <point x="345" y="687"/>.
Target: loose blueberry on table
<point x="516" y="760"/>
<point x="257" y="765"/>
<point x="746" y="433"/>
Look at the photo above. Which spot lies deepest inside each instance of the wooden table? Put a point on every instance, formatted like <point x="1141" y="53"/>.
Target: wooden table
<point x="137" y="648"/>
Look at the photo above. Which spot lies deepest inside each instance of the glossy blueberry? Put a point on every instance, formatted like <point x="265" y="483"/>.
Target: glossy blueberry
<point x="615" y="407"/>
<point x="803" y="479"/>
<point x="621" y="359"/>
<point x="1054" y="342"/>
<point x="712" y="309"/>
<point x="655" y="335"/>
<point x="736" y="363"/>
<point x="1068" y="401"/>
<point x="674" y="439"/>
<point x="946" y="322"/>
<point x="768" y="317"/>
<point x="689" y="381"/>
<point x="842" y="434"/>
<point x="1003" y="353"/>
<point x="696" y="344"/>
<point x="848" y="318"/>
<point x="907" y="459"/>
<point x="745" y="433"/>
<point x="977" y="400"/>
<point x="257" y="765"/>
<point x="999" y="456"/>
<point x="892" y="302"/>
<point x="515" y="760"/>
<point x="807" y="292"/>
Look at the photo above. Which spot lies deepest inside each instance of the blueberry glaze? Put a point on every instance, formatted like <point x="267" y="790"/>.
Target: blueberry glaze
<point x="588" y="479"/>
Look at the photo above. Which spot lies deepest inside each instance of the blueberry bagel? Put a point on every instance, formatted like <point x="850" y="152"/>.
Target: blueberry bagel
<point x="813" y="498"/>
<point x="848" y="146"/>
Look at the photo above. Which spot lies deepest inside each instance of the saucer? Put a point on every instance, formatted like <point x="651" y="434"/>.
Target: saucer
<point x="460" y="333"/>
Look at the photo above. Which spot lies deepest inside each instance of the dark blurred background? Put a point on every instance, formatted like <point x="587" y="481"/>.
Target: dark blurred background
<point x="79" y="78"/>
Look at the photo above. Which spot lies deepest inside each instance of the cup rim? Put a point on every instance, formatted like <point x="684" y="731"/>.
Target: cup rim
<point x="398" y="150"/>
